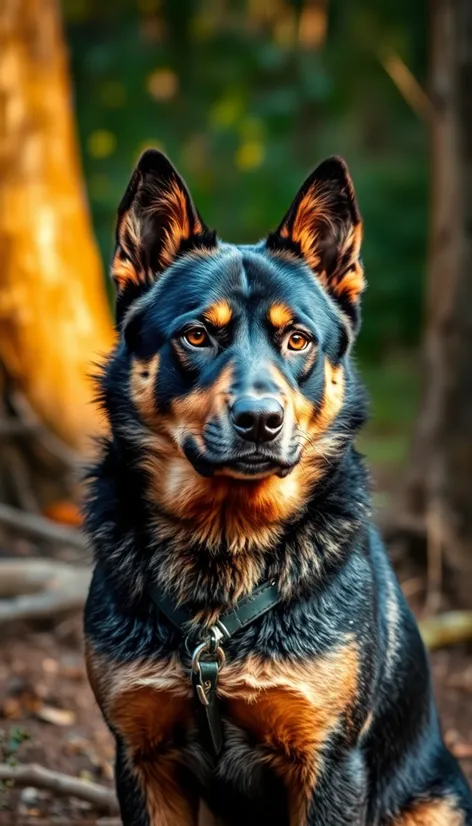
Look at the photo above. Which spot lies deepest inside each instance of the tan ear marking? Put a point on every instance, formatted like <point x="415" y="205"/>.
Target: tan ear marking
<point x="351" y="282"/>
<point x="124" y="272"/>
<point x="173" y="203"/>
<point x="157" y="220"/>
<point x="323" y="227"/>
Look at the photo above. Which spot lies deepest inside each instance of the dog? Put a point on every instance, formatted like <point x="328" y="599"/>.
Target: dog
<point x="246" y="638"/>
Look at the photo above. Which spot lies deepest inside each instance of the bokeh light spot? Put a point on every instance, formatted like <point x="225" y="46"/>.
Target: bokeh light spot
<point x="204" y="24"/>
<point x="149" y="6"/>
<point x="250" y="155"/>
<point x="162" y="84"/>
<point x="227" y="111"/>
<point x="101" y="143"/>
<point x="313" y="26"/>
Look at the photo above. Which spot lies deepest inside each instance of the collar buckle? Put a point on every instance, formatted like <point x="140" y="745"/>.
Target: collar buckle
<point x="210" y="651"/>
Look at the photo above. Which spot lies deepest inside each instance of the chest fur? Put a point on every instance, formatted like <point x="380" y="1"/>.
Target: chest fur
<point x="290" y="707"/>
<point x="278" y="715"/>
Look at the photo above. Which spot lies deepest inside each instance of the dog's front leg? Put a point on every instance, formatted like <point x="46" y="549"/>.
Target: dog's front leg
<point x="149" y="791"/>
<point x="131" y="795"/>
<point x="340" y="794"/>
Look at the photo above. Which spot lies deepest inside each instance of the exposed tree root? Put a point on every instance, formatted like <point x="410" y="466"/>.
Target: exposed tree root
<point x="40" y="588"/>
<point x="38" y="527"/>
<point x="62" y="784"/>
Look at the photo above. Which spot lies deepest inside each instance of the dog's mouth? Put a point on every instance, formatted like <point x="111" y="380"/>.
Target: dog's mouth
<point x="256" y="464"/>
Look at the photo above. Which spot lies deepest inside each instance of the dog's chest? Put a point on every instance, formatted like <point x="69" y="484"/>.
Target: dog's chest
<point x="277" y="715"/>
<point x="288" y="708"/>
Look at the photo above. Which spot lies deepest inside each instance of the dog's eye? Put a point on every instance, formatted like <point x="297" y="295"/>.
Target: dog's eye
<point x="297" y="341"/>
<point x="197" y="337"/>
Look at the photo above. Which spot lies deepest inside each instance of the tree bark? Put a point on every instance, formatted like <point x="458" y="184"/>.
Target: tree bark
<point x="54" y="317"/>
<point x="439" y="488"/>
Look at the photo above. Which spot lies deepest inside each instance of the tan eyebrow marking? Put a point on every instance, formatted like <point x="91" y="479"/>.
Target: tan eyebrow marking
<point x="219" y="314"/>
<point x="280" y="315"/>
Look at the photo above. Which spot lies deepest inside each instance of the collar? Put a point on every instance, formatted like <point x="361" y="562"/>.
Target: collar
<point x="246" y="610"/>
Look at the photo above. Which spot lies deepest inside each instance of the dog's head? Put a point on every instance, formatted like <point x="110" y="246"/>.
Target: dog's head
<point x="231" y="375"/>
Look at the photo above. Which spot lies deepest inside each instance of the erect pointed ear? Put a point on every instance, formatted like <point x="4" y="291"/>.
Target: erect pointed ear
<point x="323" y="226"/>
<point x="157" y="222"/>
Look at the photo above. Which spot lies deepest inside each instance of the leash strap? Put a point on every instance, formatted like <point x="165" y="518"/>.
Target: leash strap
<point x="208" y="657"/>
<point x="208" y="715"/>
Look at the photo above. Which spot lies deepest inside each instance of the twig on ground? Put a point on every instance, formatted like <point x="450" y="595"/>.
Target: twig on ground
<point x="62" y="784"/>
<point x="434" y="569"/>
<point x="446" y="629"/>
<point x="38" y="527"/>
<point x="40" y="606"/>
<point x="40" y="588"/>
<point x="109" y="821"/>
<point x="19" y="478"/>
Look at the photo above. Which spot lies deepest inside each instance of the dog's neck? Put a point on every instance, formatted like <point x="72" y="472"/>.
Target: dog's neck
<point x="139" y="545"/>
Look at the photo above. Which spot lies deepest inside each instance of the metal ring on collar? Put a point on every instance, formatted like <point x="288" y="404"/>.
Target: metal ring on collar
<point x="204" y="648"/>
<point x="212" y="636"/>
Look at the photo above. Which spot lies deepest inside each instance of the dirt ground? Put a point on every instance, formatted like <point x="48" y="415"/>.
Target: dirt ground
<point x="44" y="695"/>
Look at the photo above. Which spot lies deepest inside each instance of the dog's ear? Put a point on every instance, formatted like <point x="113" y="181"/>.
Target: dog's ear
<point x="157" y="222"/>
<point x="323" y="226"/>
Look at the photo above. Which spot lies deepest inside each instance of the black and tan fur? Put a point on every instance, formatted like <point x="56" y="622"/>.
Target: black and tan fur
<point x="326" y="699"/>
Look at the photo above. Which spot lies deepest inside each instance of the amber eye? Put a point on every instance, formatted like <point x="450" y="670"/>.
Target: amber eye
<point x="297" y="341"/>
<point x="197" y="337"/>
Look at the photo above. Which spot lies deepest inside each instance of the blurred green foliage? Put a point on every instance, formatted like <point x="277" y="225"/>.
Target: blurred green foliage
<point x="246" y="96"/>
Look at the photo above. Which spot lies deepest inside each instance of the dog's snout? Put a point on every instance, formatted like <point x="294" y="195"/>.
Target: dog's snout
<point x="257" y="419"/>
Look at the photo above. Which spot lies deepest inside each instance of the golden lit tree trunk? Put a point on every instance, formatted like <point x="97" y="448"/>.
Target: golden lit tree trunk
<point x="54" y="317"/>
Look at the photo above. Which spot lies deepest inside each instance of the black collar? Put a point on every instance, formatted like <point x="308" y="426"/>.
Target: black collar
<point x="248" y="609"/>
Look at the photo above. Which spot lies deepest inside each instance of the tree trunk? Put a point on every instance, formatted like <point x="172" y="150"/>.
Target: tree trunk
<point x="54" y="317"/>
<point x="439" y="488"/>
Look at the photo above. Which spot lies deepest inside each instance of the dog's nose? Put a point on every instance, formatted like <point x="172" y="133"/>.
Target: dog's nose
<point x="257" y="419"/>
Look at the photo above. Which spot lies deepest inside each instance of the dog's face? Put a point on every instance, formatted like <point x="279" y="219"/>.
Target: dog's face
<point x="235" y="357"/>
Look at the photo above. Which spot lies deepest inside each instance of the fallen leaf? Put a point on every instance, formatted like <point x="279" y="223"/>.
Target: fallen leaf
<point x="76" y="744"/>
<point x="21" y="702"/>
<point x="11" y="709"/>
<point x="451" y="737"/>
<point x="107" y="769"/>
<point x="50" y="666"/>
<point x="56" y="716"/>
<point x="64" y="512"/>
<point x="462" y="750"/>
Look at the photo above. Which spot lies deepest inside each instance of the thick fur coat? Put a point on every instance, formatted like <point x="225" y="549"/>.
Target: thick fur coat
<point x="233" y="406"/>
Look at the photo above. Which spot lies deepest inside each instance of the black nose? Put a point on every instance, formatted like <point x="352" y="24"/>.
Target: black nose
<point x="257" y="420"/>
